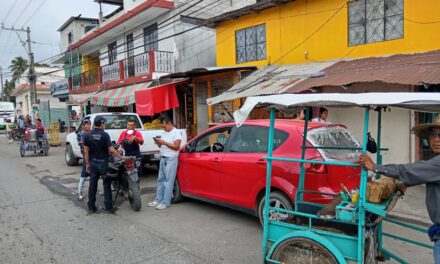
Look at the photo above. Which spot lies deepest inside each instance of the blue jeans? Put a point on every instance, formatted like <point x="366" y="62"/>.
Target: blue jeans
<point x="165" y="180"/>
<point x="82" y="179"/>
<point x="437" y="252"/>
<point x="99" y="168"/>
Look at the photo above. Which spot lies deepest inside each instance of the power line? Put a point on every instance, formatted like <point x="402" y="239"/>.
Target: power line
<point x="35" y="12"/>
<point x="22" y="12"/>
<point x="9" y="12"/>
<point x="123" y="44"/>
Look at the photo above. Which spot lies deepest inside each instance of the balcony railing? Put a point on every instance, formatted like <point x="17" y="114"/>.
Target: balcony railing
<point x="110" y="72"/>
<point x="91" y="77"/>
<point x="136" y="66"/>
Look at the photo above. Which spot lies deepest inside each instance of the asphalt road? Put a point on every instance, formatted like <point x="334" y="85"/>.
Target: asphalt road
<point x="42" y="222"/>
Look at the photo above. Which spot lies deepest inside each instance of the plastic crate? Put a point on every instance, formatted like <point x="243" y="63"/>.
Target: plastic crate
<point x="347" y="211"/>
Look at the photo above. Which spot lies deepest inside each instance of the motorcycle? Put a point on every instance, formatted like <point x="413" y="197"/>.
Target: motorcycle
<point x="125" y="180"/>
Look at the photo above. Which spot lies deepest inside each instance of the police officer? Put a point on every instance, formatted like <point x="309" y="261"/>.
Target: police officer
<point x="130" y="140"/>
<point x="97" y="146"/>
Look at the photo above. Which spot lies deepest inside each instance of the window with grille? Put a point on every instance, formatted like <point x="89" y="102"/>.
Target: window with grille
<point x="250" y="44"/>
<point x="151" y="38"/>
<point x="372" y="21"/>
<point x="112" y="52"/>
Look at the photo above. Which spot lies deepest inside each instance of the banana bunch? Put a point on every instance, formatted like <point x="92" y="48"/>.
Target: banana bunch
<point x="155" y="124"/>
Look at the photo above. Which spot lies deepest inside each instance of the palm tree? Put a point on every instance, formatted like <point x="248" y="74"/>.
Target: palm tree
<point x="17" y="67"/>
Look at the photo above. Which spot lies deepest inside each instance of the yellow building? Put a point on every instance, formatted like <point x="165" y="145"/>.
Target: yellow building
<point x="319" y="30"/>
<point x="290" y="41"/>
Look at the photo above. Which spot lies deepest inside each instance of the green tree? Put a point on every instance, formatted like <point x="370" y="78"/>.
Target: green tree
<point x="17" y="67"/>
<point x="8" y="87"/>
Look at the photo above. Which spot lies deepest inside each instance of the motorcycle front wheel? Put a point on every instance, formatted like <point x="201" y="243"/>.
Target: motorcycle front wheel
<point x="134" y="195"/>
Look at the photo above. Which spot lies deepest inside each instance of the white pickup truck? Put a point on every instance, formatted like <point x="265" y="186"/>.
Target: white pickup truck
<point x="116" y="123"/>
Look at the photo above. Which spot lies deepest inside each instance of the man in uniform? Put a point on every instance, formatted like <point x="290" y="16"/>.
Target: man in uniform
<point x="97" y="146"/>
<point x="420" y="172"/>
<point x="130" y="140"/>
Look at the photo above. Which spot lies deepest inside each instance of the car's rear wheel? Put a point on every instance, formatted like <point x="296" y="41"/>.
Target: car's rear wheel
<point x="71" y="160"/>
<point x="277" y="200"/>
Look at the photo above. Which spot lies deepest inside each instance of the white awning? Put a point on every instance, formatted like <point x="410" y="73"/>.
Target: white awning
<point x="424" y="102"/>
<point x="80" y="98"/>
<point x="274" y="79"/>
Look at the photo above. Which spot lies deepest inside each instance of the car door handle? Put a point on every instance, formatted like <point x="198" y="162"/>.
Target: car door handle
<point x="261" y="162"/>
<point x="216" y="160"/>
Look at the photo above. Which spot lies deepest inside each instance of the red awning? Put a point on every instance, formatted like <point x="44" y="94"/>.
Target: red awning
<point x="157" y="99"/>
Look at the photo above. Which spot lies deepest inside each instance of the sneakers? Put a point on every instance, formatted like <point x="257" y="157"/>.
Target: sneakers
<point x="153" y="204"/>
<point x="161" y="207"/>
<point x="80" y="196"/>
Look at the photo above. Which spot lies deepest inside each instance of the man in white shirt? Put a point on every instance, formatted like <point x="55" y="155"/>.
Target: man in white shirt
<point x="169" y="144"/>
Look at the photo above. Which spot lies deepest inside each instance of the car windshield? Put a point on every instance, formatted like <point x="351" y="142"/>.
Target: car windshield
<point x="120" y="121"/>
<point x="6" y="107"/>
<point x="335" y="137"/>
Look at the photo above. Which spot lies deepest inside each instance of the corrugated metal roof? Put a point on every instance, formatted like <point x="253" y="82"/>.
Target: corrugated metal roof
<point x="207" y="70"/>
<point x="409" y="69"/>
<point x="274" y="79"/>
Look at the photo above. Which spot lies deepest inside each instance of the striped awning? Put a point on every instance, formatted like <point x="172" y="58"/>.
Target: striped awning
<point x="120" y="96"/>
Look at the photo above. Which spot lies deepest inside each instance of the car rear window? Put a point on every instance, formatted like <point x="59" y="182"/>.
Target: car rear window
<point x="331" y="136"/>
<point x="120" y="121"/>
<point x="250" y="139"/>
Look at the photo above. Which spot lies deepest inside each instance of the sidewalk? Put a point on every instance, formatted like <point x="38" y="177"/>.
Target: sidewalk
<point x="412" y="207"/>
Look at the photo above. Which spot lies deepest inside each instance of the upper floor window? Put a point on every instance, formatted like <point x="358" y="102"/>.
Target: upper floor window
<point x="112" y="52"/>
<point x="151" y="38"/>
<point x="70" y="38"/>
<point x="250" y="44"/>
<point x="372" y="21"/>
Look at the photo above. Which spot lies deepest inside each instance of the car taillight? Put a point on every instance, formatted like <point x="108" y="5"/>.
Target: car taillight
<point x="316" y="168"/>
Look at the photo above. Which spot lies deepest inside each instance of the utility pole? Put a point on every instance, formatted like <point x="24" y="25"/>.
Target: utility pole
<point x="32" y="77"/>
<point x="1" y="82"/>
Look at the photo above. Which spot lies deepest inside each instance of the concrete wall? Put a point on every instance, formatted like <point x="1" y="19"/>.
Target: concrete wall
<point x="396" y="126"/>
<point x="78" y="31"/>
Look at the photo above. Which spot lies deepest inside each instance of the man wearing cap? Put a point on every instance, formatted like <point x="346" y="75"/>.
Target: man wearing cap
<point x="97" y="146"/>
<point x="420" y="172"/>
<point x="130" y="140"/>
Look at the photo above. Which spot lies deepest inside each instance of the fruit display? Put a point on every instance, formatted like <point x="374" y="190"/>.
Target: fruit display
<point x="155" y="124"/>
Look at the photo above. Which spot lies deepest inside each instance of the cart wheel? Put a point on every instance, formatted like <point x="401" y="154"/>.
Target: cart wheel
<point x="302" y="250"/>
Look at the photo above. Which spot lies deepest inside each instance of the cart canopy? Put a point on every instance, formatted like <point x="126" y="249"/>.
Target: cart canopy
<point x="423" y="102"/>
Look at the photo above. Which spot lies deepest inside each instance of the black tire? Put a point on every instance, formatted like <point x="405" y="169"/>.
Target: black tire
<point x="301" y="250"/>
<point x="177" y="193"/>
<point x="22" y="150"/>
<point x="277" y="199"/>
<point x="70" y="158"/>
<point x="46" y="148"/>
<point x="15" y="135"/>
<point x="134" y="195"/>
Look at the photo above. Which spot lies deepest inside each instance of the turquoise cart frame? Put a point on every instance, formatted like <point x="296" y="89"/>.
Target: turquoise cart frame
<point x="343" y="247"/>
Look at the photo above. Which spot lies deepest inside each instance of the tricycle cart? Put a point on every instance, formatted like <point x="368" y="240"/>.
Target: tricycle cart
<point x="31" y="143"/>
<point x="355" y="234"/>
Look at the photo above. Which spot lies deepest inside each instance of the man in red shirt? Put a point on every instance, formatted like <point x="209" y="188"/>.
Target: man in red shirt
<point x="130" y="140"/>
<point x="40" y="133"/>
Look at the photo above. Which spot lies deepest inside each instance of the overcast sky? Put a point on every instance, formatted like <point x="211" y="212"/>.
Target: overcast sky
<point x="46" y="16"/>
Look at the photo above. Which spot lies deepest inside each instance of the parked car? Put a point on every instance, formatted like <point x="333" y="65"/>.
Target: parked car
<point x="225" y="165"/>
<point x="116" y="123"/>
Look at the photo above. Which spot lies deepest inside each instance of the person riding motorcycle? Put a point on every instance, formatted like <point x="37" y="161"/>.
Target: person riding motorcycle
<point x="130" y="140"/>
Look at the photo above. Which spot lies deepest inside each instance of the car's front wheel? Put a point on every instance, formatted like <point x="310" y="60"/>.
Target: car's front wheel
<point x="70" y="158"/>
<point x="277" y="200"/>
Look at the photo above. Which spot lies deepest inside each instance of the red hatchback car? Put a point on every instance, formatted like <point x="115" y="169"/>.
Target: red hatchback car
<point x="225" y="165"/>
